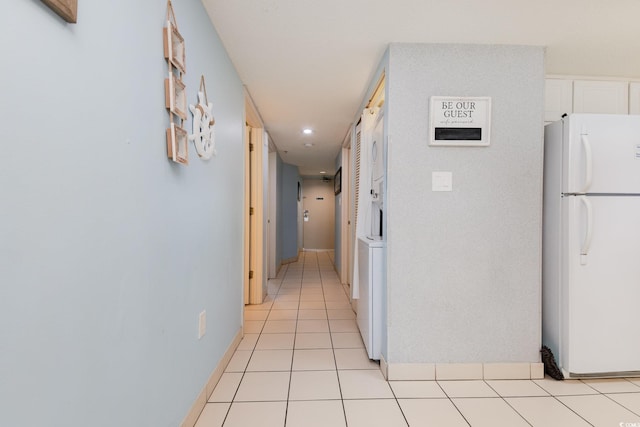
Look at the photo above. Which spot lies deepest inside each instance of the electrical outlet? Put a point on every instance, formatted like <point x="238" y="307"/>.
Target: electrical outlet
<point x="202" y="324"/>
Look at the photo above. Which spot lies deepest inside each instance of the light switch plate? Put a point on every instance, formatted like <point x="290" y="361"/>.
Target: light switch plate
<point x="441" y="181"/>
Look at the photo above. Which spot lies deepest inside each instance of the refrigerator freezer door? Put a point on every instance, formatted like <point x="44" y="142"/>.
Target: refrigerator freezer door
<point x="600" y="316"/>
<point x="603" y="154"/>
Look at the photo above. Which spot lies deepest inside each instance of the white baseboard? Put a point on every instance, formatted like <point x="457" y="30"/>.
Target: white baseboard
<point x="384" y="368"/>
<point x="290" y="260"/>
<point x="462" y="371"/>
<point x="197" y="407"/>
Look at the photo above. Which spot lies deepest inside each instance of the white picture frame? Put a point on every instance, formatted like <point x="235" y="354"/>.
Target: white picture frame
<point x="460" y="121"/>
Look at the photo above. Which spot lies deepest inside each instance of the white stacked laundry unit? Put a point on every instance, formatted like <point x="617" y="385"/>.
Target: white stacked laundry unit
<point x="371" y="247"/>
<point x="370" y="266"/>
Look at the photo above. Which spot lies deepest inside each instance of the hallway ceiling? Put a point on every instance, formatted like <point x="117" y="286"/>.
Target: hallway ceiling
<point x="308" y="63"/>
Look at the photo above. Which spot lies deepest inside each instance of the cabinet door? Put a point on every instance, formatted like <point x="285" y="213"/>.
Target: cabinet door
<point x="600" y="97"/>
<point x="558" y="99"/>
<point x="634" y="98"/>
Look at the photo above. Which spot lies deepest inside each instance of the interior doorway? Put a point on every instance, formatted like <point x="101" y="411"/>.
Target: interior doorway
<point x="346" y="234"/>
<point x="318" y="214"/>
<point x="255" y="188"/>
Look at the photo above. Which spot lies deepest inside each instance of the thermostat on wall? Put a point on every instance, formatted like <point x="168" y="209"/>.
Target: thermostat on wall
<point x="459" y="121"/>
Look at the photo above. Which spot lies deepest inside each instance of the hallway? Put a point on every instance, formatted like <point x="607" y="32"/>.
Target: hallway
<point x="302" y="363"/>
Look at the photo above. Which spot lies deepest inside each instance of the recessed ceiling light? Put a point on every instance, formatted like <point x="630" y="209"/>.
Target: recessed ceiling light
<point x="307" y="131"/>
<point x="323" y="172"/>
<point x="308" y="144"/>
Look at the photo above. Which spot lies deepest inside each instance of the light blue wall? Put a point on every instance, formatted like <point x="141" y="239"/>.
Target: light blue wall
<point x="109" y="251"/>
<point x="463" y="266"/>
<point x="290" y="180"/>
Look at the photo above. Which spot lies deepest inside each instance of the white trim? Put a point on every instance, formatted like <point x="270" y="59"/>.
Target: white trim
<point x="256" y="294"/>
<point x="634" y="97"/>
<point x="462" y="371"/>
<point x="272" y="145"/>
<point x="345" y="205"/>
<point x="289" y="260"/>
<point x="412" y="371"/>
<point x="258" y="221"/>
<point x="252" y="115"/>
<point x="272" y="268"/>
<point x="200" y="402"/>
<point x="600" y="78"/>
<point x="247" y="229"/>
<point x="384" y="367"/>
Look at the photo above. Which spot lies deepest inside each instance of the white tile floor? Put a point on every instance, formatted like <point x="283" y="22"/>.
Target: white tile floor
<point x="302" y="363"/>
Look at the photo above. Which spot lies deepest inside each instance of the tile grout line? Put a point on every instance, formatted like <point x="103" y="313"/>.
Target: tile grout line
<point x="293" y="350"/>
<point x="453" y="403"/>
<point x="306" y="265"/>
<point x="561" y="402"/>
<point x="505" y="401"/>
<point x="609" y="397"/>
<point x="571" y="409"/>
<point x="397" y="402"/>
<point x="333" y="351"/>
<point x="344" y="413"/>
<point x="233" y="399"/>
<point x="311" y="262"/>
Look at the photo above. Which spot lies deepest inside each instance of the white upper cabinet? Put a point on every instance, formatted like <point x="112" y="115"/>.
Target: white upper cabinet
<point x="600" y="97"/>
<point x="634" y="98"/>
<point x="558" y="99"/>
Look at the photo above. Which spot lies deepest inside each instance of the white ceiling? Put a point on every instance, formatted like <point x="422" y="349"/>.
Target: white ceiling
<point x="307" y="63"/>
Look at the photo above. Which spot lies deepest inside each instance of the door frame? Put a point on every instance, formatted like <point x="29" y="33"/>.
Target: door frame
<point x="272" y="267"/>
<point x="255" y="288"/>
<point x="321" y="215"/>
<point x="346" y="240"/>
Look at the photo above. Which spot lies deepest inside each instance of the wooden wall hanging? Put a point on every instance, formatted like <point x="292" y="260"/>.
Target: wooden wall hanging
<point x="175" y="89"/>
<point x="178" y="149"/>
<point x="173" y="42"/>
<point x="203" y="136"/>
<point x="66" y="9"/>
<point x="175" y="96"/>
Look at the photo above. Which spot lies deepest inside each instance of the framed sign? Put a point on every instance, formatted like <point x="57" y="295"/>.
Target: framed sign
<point x="337" y="182"/>
<point x="456" y="121"/>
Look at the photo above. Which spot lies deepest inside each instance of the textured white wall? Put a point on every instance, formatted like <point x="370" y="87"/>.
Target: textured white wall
<point x="463" y="278"/>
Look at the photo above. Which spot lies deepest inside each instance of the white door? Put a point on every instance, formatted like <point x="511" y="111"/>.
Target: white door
<point x="603" y="154"/>
<point x="602" y="281"/>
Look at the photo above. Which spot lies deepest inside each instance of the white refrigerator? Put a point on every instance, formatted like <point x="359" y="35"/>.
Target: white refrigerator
<point x="591" y="244"/>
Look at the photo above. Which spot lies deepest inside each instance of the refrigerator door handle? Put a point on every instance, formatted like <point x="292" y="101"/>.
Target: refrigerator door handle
<point x="586" y="243"/>
<point x="588" y="163"/>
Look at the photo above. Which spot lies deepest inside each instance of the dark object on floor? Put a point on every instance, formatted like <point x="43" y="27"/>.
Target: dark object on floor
<point x="550" y="366"/>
